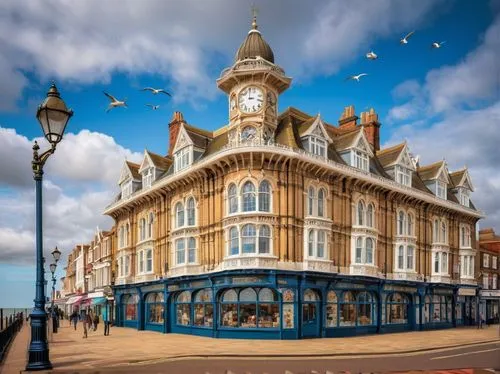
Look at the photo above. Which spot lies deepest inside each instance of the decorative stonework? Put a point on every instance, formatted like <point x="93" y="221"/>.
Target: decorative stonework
<point x="249" y="262"/>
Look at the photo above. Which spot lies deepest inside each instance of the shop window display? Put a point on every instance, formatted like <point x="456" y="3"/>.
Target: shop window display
<point x="348" y="309"/>
<point x="365" y="309"/>
<point x="183" y="308"/>
<point x="130" y="306"/>
<point x="331" y="309"/>
<point x="309" y="306"/>
<point x="397" y="309"/>
<point x="288" y="309"/>
<point x="427" y="309"/>
<point x="155" y="307"/>
<point x="417" y="309"/>
<point x="203" y="308"/>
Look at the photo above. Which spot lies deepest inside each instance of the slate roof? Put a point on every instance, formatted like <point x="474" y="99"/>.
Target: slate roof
<point x="388" y="156"/>
<point x="456" y="177"/>
<point x="431" y="171"/>
<point x="134" y="168"/>
<point x="160" y="162"/>
<point x="346" y="140"/>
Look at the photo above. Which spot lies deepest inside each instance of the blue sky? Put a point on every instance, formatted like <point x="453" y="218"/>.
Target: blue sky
<point x="444" y="102"/>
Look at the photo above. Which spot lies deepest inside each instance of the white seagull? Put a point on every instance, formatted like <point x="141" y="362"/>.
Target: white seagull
<point x="114" y="102"/>
<point x="405" y="39"/>
<point x="437" y="45"/>
<point x="154" y="107"/>
<point x="371" y="55"/>
<point x="356" y="77"/>
<point x="156" y="91"/>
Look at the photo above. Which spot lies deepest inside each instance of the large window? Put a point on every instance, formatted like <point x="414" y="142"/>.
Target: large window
<point x="315" y="145"/>
<point x="179" y="215"/>
<point x="440" y="263"/>
<point x="232" y="196"/>
<point x="129" y="305"/>
<point x="467" y="266"/>
<point x="348" y="309"/>
<point x="364" y="251"/>
<point x="191" y="211"/>
<point x="149" y="260"/>
<point x="311" y="196"/>
<point x="142" y="229"/>
<point x="253" y="240"/>
<point x="440" y="308"/>
<point x="365" y="215"/>
<point x="310" y="306"/>
<point x="180" y="251"/>
<point x="126" y="189"/>
<point x="405" y="257"/>
<point x="248" y="196"/>
<point x="397" y="308"/>
<point x="331" y="309"/>
<point x="360" y="160"/>
<point x="150" y="225"/>
<point x="441" y="190"/>
<point x="439" y="231"/>
<point x="155" y="307"/>
<point x="403" y="175"/>
<point x="204" y="308"/>
<point x="250" y="308"/>
<point x="361" y="213"/>
<point x="321" y="202"/>
<point x="182" y="158"/>
<point x="183" y="308"/>
<point x="316" y="244"/>
<point x="251" y="200"/>
<point x="147" y="177"/>
<point x="486" y="260"/>
<point x="264" y="196"/>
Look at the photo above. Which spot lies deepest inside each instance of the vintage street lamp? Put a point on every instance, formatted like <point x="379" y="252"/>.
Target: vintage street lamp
<point x="56" y="253"/>
<point x="53" y="267"/>
<point x="53" y="116"/>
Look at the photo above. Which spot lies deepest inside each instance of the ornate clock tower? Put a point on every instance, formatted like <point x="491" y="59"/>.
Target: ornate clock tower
<point x="253" y="85"/>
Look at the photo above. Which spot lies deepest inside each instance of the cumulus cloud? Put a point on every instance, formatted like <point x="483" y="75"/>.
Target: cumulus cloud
<point x="182" y="41"/>
<point x="70" y="215"/>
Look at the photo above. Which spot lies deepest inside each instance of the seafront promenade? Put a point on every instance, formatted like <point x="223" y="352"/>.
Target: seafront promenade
<point x="124" y="347"/>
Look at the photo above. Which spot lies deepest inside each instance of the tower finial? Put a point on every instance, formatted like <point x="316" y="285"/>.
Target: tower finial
<point x="255" y="12"/>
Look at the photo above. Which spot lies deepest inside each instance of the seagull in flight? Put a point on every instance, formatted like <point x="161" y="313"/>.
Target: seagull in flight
<point x="156" y="91"/>
<point x="356" y="77"/>
<point x="114" y="102"/>
<point x="154" y="107"/>
<point x="371" y="55"/>
<point x="436" y="45"/>
<point x="405" y="39"/>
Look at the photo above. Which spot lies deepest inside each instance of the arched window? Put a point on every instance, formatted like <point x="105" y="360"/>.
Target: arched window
<point x="229" y="309"/>
<point x="321" y="202"/>
<point x="264" y="197"/>
<point x="444" y="263"/>
<point x="180" y="251"/>
<point x="127" y="230"/>
<point x="264" y="239"/>
<point x="397" y="308"/>
<point x="410" y="255"/>
<point x="129" y="305"/>
<point x="443" y="232"/>
<point x="401" y="223"/>
<point x="369" y="250"/>
<point x="142" y="229"/>
<point x="365" y="309"/>
<point x="234" y="241"/>
<point x="191" y="212"/>
<point x="150" y="225"/>
<point x="348" y="309"/>
<point x="321" y="244"/>
<point x="179" y="215"/>
<point x="436" y="262"/>
<point x="310" y="243"/>
<point x="370" y="216"/>
<point x="203" y="308"/>
<point x="183" y="308"/>
<point x="361" y="213"/>
<point x="249" y="197"/>
<point x="233" y="199"/>
<point x="248" y="238"/>
<point x="435" y="236"/>
<point x="310" y="199"/>
<point x="410" y="225"/>
<point x="149" y="260"/>
<point x="155" y="308"/>
<point x="248" y="308"/>
<point x="310" y="306"/>
<point x="191" y="250"/>
<point x="359" y="250"/>
<point x="401" y="257"/>
<point x="331" y="309"/>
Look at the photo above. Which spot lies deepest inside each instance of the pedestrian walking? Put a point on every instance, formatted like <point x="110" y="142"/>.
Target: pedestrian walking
<point x="481" y="321"/>
<point x="105" y="319"/>
<point x="96" y="321"/>
<point x="73" y="318"/>
<point x="87" y="323"/>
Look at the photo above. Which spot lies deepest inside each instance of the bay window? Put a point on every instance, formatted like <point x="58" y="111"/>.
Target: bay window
<point x="252" y="239"/>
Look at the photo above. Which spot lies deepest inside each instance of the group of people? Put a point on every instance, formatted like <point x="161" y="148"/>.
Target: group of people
<point x="90" y="321"/>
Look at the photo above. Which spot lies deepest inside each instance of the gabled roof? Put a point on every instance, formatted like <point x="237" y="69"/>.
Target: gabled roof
<point x="317" y="127"/>
<point x="286" y="133"/>
<point x="433" y="171"/>
<point x="189" y="135"/>
<point x="160" y="162"/>
<point x="216" y="144"/>
<point x="352" y="139"/>
<point x="134" y="169"/>
<point x="129" y="170"/>
<point x="389" y="156"/>
<point x="461" y="178"/>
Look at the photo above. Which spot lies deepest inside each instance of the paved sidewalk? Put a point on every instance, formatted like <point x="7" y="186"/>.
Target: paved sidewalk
<point x="70" y="351"/>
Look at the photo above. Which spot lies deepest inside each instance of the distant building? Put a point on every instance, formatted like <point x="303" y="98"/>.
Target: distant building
<point x="284" y="226"/>
<point x="489" y="271"/>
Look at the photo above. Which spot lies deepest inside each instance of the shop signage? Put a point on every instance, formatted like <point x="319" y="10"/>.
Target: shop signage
<point x="350" y="285"/>
<point x="390" y="287"/>
<point x="282" y="281"/>
<point x="156" y="287"/>
<point x="495" y="293"/>
<point x="443" y="292"/>
<point x="240" y="280"/>
<point x="467" y="291"/>
<point x="173" y="287"/>
<point x="199" y="284"/>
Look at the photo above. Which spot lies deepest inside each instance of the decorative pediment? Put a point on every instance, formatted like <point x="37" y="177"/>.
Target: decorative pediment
<point x="182" y="140"/>
<point x="466" y="181"/>
<point x="126" y="173"/>
<point x="405" y="160"/>
<point x="361" y="144"/>
<point x="318" y="129"/>
<point x="443" y="175"/>
<point x="146" y="162"/>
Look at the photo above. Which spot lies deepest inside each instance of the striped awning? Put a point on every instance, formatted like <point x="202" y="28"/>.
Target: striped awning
<point x="73" y="300"/>
<point x="99" y="300"/>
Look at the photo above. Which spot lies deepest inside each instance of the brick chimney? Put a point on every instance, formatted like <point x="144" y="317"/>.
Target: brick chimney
<point x="348" y="118"/>
<point x="371" y="125"/>
<point x="173" y="128"/>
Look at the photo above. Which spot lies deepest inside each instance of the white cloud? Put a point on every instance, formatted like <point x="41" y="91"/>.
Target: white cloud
<point x="179" y="40"/>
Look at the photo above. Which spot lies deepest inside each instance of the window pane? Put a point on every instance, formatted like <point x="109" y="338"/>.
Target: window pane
<point x="179" y="212"/>
<point x="183" y="314"/>
<point x="229" y="296"/>
<point x="401" y="254"/>
<point x="364" y="314"/>
<point x="311" y="244"/>
<point x="359" y="250"/>
<point x="229" y="315"/>
<point x="321" y="244"/>
<point x="233" y="199"/>
<point x="268" y="295"/>
<point x="348" y="315"/>
<point x="410" y="255"/>
<point x="311" y="196"/>
<point x="264" y="239"/>
<point x="248" y="315"/>
<point x="369" y="251"/>
<point x="248" y="294"/>
<point x="191" y="250"/>
<point x="264" y="196"/>
<point x="321" y="202"/>
<point x="269" y="315"/>
<point x="248" y="238"/>
<point x="234" y="241"/>
<point x="181" y="253"/>
<point x="361" y="213"/>
<point x="249" y="197"/>
<point x="191" y="211"/>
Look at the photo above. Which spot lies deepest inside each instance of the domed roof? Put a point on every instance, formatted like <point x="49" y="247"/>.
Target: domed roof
<point x="254" y="45"/>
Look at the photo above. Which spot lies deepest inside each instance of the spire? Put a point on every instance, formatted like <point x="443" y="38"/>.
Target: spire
<point x="255" y="11"/>
<point x="254" y="45"/>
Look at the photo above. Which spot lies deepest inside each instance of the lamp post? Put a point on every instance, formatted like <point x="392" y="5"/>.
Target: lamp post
<point x="56" y="253"/>
<point x="53" y="116"/>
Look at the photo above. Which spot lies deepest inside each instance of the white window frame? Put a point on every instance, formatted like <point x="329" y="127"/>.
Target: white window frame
<point x="126" y="189"/>
<point x="494" y="284"/>
<point x="313" y="247"/>
<point x="486" y="260"/>
<point x="149" y="256"/>
<point x="364" y="250"/>
<point x="486" y="280"/>
<point x="360" y="160"/>
<point x="441" y="188"/>
<point x="316" y="146"/>
<point x="402" y="175"/>
<point x="239" y="231"/>
<point x="443" y="258"/>
<point x="494" y="262"/>
<point x="147" y="177"/>
<point x="183" y="158"/>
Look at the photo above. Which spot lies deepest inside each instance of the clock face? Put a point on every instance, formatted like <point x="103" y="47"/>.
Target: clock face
<point x="250" y="99"/>
<point x="248" y="133"/>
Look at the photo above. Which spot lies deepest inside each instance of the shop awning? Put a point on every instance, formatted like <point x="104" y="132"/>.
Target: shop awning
<point x="73" y="300"/>
<point x="99" y="301"/>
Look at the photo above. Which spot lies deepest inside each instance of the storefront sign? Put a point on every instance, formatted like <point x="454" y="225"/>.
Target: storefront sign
<point x="156" y="287"/>
<point x="467" y="291"/>
<point x="241" y="280"/>
<point x="173" y="287"/>
<point x="390" y="287"/>
<point x="200" y="284"/>
<point x="282" y="282"/>
<point x="443" y="292"/>
<point x="495" y="293"/>
<point x="350" y="285"/>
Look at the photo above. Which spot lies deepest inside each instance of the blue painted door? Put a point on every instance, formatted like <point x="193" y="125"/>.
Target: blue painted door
<point x="310" y="319"/>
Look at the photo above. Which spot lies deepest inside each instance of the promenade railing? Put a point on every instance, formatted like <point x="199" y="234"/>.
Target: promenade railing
<point x="7" y="335"/>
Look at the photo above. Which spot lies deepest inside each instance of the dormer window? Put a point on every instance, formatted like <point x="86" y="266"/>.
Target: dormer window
<point x="464" y="196"/>
<point x="403" y="175"/>
<point x="183" y="158"/>
<point x="316" y="146"/>
<point x="441" y="190"/>
<point x="360" y="160"/>
<point x="147" y="177"/>
<point x="126" y="189"/>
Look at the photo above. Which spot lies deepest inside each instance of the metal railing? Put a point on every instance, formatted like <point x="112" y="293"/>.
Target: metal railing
<point x="7" y="335"/>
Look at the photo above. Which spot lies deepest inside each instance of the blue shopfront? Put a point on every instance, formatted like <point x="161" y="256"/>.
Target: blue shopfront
<point x="282" y="305"/>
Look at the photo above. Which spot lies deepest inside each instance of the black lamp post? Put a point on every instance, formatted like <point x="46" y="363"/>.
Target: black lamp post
<point x="53" y="116"/>
<point x="53" y="267"/>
